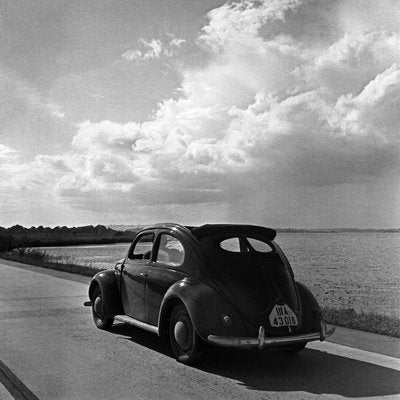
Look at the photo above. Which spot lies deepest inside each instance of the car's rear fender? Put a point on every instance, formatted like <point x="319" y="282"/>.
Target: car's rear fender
<point x="107" y="282"/>
<point x="206" y="307"/>
<point x="311" y="314"/>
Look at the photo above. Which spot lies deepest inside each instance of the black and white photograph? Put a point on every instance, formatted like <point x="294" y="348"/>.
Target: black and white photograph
<point x="199" y="199"/>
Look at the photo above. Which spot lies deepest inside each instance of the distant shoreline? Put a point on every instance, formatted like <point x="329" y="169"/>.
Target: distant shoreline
<point x="20" y="237"/>
<point x="338" y="230"/>
<point x="285" y="230"/>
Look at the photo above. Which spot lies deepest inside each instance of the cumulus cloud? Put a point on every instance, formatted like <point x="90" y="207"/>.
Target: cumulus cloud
<point x="154" y="48"/>
<point x="41" y="173"/>
<point x="349" y="64"/>
<point x="277" y="102"/>
<point x="236" y="24"/>
<point x="7" y="154"/>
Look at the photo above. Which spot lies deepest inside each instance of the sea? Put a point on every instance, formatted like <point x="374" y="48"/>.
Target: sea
<point x="347" y="270"/>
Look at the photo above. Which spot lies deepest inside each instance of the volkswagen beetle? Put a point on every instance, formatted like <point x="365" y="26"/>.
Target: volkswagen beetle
<point x="226" y="285"/>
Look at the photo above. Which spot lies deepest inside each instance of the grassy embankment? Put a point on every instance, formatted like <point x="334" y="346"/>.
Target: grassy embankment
<point x="382" y="324"/>
<point x="42" y="259"/>
<point x="363" y="321"/>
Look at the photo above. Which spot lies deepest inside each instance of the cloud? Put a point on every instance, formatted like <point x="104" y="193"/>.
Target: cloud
<point x="374" y="111"/>
<point x="350" y="63"/>
<point x="153" y="49"/>
<point x="237" y="24"/>
<point x="176" y="42"/>
<point x="10" y="166"/>
<point x="7" y="154"/>
<point x="277" y="106"/>
<point x="18" y="93"/>
<point x="58" y="114"/>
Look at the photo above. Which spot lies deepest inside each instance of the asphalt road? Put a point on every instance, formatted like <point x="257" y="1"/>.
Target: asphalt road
<point x="50" y="349"/>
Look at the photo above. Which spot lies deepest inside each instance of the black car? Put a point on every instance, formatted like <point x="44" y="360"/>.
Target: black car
<point x="227" y="285"/>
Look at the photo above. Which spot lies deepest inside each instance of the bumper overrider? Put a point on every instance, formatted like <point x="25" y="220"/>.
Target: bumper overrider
<point x="263" y="341"/>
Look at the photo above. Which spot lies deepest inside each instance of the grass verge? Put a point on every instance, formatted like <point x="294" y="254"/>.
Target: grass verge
<point x="42" y="259"/>
<point x="363" y="321"/>
<point x="382" y="324"/>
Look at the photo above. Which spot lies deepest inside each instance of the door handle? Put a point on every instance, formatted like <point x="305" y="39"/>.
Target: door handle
<point x="143" y="274"/>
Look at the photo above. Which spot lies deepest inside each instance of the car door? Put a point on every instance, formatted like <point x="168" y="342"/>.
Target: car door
<point x="134" y="275"/>
<point x="166" y="268"/>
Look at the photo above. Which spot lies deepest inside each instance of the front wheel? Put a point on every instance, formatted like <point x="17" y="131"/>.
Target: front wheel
<point x="185" y="342"/>
<point x="100" y="320"/>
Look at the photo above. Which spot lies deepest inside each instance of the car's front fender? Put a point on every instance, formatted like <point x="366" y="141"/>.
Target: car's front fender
<point x="207" y="309"/>
<point x="107" y="282"/>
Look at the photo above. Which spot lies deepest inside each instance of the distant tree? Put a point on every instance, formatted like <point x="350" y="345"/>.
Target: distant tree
<point x="5" y="242"/>
<point x="100" y="229"/>
<point x="16" y="229"/>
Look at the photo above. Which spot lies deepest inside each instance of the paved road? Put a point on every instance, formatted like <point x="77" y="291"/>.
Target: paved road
<point x="50" y="349"/>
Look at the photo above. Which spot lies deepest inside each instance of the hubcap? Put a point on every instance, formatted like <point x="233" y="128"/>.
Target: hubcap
<point x="181" y="334"/>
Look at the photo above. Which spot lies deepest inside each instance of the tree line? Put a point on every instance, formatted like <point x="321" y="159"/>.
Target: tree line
<point x="19" y="236"/>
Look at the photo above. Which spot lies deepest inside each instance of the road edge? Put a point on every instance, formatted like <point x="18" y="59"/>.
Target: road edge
<point x="14" y="385"/>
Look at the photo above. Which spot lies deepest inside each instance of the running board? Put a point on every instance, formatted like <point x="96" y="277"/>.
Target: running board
<point x="137" y="323"/>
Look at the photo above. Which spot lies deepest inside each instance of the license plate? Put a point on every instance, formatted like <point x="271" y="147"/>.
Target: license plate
<point x="282" y="316"/>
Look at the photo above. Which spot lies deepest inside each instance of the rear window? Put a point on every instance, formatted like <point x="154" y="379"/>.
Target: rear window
<point x="259" y="245"/>
<point x="243" y="244"/>
<point x="231" y="244"/>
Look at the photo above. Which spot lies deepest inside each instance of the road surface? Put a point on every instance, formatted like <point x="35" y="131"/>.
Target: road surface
<point x="50" y="349"/>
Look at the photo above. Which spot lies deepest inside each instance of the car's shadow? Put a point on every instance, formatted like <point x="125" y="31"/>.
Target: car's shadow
<point x="310" y="371"/>
<point x="143" y="338"/>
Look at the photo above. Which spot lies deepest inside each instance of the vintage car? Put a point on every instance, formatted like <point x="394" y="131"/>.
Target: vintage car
<point x="226" y="285"/>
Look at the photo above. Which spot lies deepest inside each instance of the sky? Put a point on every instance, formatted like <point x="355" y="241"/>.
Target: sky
<point x="283" y="113"/>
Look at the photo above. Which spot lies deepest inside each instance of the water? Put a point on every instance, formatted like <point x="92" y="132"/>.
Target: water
<point x="352" y="270"/>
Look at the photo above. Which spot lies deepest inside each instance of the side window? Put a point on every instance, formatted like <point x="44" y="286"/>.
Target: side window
<point x="170" y="251"/>
<point x="259" y="245"/>
<point x="142" y="248"/>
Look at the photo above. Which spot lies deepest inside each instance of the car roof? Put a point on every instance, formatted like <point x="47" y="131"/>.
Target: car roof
<point x="227" y="229"/>
<point x="219" y="229"/>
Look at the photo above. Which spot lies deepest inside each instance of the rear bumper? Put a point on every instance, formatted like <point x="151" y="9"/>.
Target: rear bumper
<point x="263" y="341"/>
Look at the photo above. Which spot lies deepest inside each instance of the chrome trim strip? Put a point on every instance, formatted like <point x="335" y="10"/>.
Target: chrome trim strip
<point x="262" y="341"/>
<point x="135" y="322"/>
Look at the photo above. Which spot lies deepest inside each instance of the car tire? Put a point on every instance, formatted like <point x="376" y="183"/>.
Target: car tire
<point x="294" y="348"/>
<point x="100" y="320"/>
<point x="185" y="342"/>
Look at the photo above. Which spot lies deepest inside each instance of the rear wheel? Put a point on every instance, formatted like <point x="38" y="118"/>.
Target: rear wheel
<point x="185" y="342"/>
<point x="100" y="320"/>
